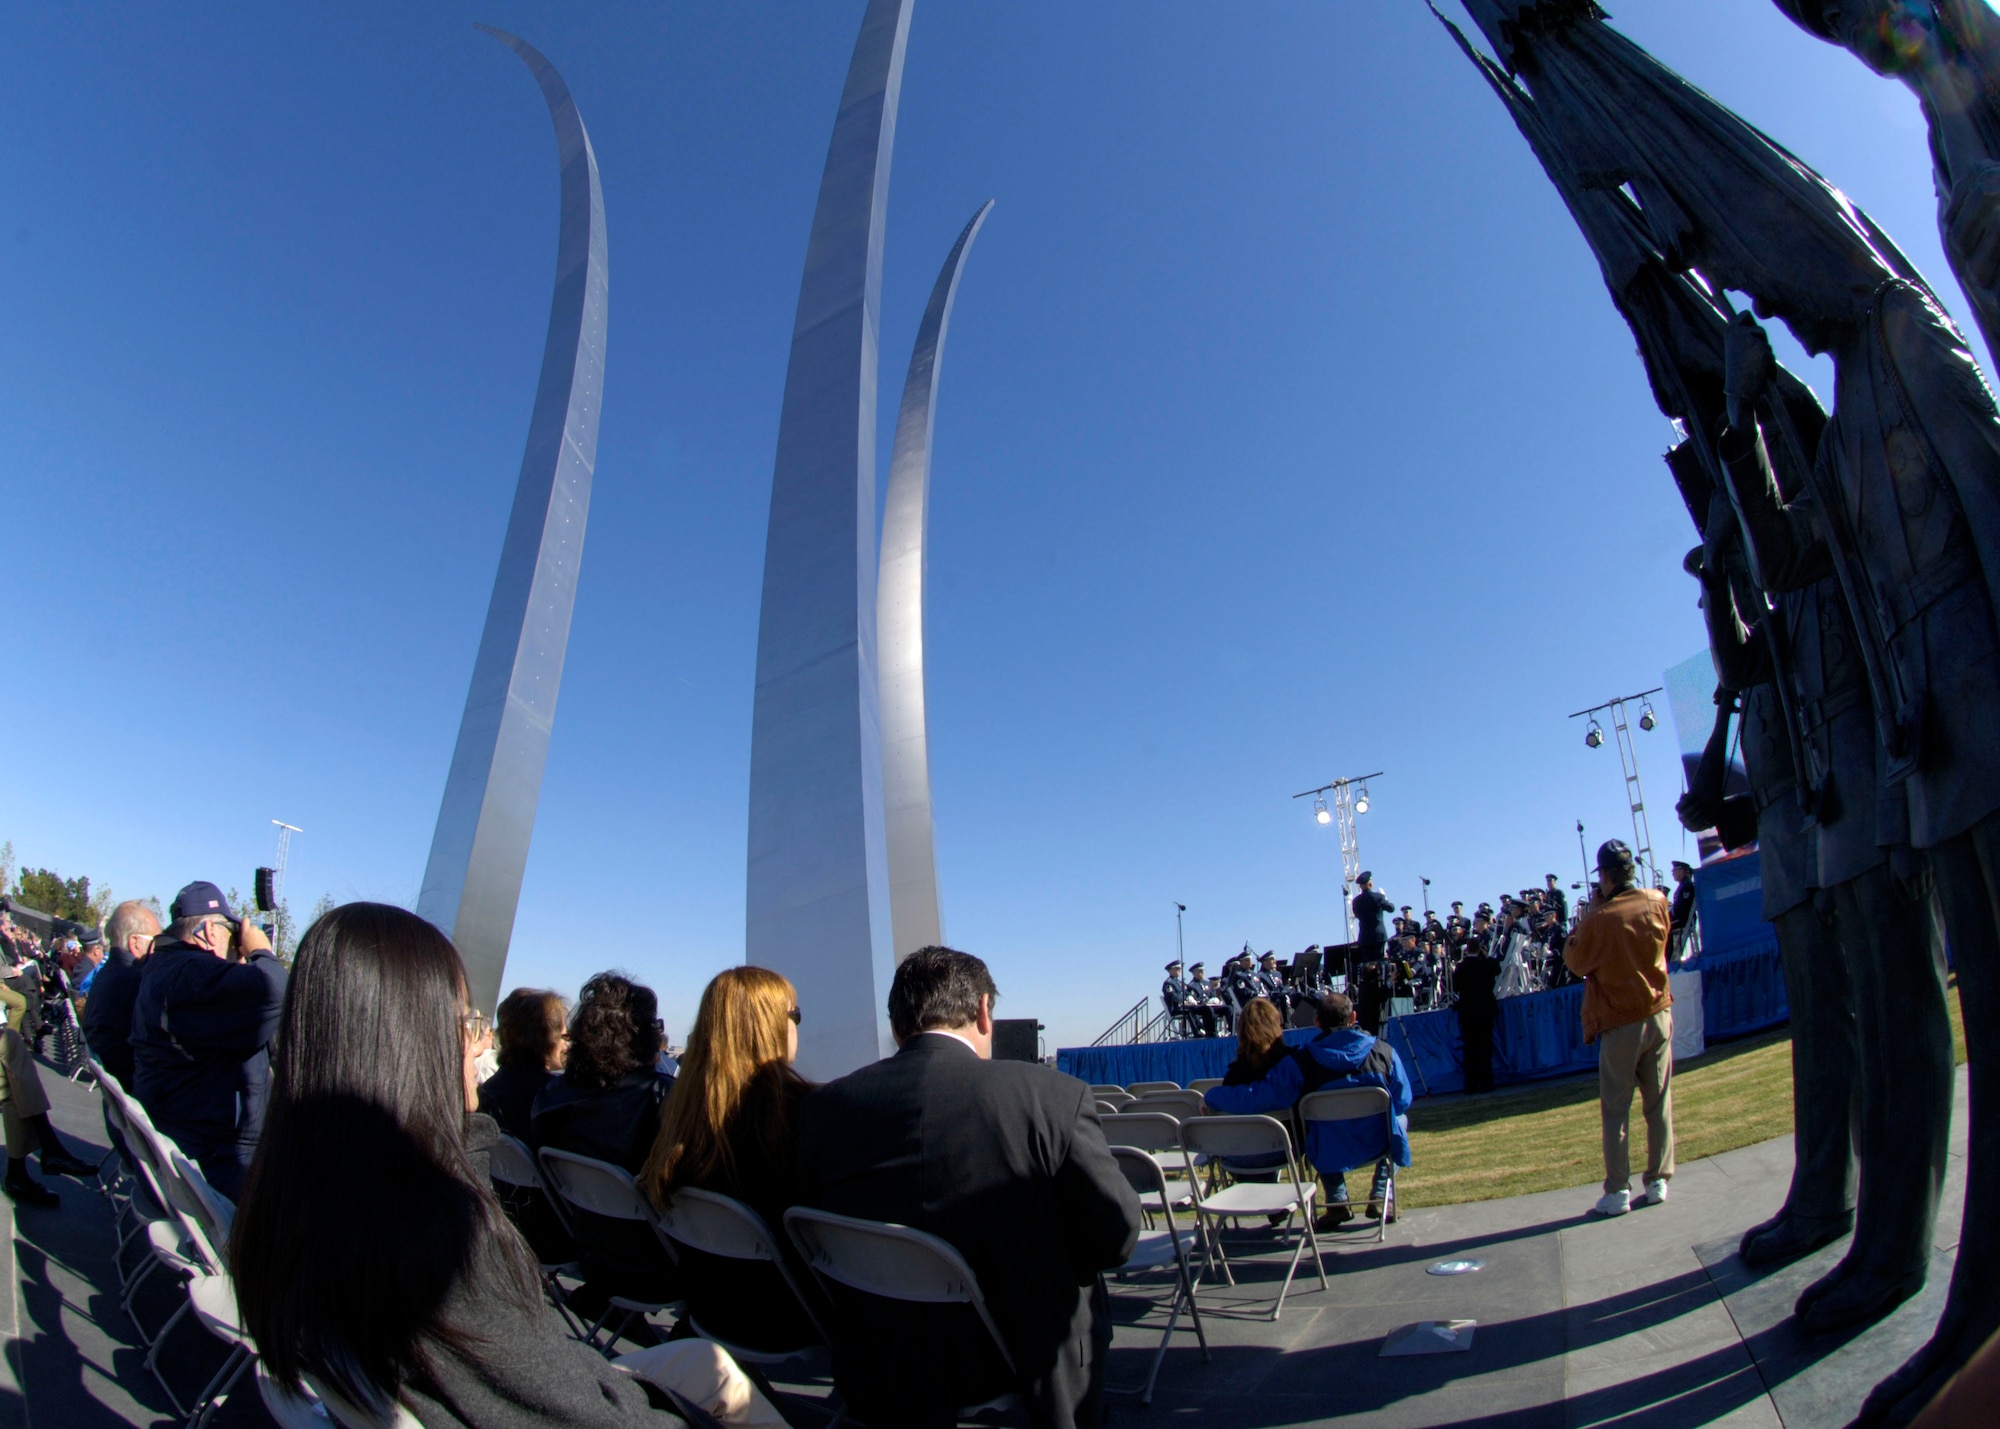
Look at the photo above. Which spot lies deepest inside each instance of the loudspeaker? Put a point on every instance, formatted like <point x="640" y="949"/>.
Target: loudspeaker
<point x="1015" y="1039"/>
<point x="267" y="898"/>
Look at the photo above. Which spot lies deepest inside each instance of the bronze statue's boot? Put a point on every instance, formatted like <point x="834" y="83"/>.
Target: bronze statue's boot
<point x="1966" y="868"/>
<point x="1786" y="1237"/>
<point x="1858" y="1298"/>
<point x="1826" y="1091"/>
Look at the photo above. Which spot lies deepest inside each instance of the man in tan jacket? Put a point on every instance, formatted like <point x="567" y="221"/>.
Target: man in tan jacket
<point x="1619" y="949"/>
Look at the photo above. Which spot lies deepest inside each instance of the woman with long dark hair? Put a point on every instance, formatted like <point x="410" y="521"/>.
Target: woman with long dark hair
<point x="368" y="1251"/>
<point x="730" y="1126"/>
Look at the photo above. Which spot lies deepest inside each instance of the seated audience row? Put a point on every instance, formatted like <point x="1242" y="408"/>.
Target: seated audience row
<point x="370" y="1252"/>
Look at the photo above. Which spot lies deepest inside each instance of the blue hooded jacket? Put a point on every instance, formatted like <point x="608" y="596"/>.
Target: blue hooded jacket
<point x="1345" y="1058"/>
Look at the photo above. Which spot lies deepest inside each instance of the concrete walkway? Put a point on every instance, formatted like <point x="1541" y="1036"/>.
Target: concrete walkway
<point x="1648" y="1320"/>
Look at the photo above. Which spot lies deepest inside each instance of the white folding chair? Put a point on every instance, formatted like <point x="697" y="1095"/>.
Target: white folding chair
<point x="510" y="1163"/>
<point x="288" y="1410"/>
<point x="1102" y="1089"/>
<point x="131" y="1196"/>
<point x="1139" y="1089"/>
<point x="1158" y="1135"/>
<point x="598" y="1188"/>
<point x="1202" y="1084"/>
<point x="1178" y="1104"/>
<point x="1157" y="1249"/>
<point x="1351" y="1104"/>
<point x="1243" y="1137"/>
<point x="896" y="1263"/>
<point x="719" y="1225"/>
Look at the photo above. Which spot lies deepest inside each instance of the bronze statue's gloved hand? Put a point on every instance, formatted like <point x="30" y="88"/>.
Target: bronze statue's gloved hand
<point x="1747" y="365"/>
<point x="1972" y="231"/>
<point x="1696" y="812"/>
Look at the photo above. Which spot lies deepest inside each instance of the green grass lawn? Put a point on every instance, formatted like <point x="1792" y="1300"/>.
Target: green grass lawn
<point x="1544" y="1136"/>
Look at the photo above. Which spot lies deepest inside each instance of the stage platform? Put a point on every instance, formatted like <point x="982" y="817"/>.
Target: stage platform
<point x="1646" y="1320"/>
<point x="1538" y="1034"/>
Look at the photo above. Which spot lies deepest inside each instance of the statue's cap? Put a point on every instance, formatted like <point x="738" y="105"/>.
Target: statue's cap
<point x="1807" y="15"/>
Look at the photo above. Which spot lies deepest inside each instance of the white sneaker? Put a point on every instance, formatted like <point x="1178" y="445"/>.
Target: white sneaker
<point x="1613" y="1203"/>
<point x="1656" y="1194"/>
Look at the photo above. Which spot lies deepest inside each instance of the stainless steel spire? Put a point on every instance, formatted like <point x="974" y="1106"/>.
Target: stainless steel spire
<point x="818" y="887"/>
<point x="917" y="912"/>
<point x="479" y="852"/>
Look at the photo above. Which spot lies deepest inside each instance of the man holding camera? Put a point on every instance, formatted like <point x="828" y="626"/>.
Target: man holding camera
<point x="207" y="1008"/>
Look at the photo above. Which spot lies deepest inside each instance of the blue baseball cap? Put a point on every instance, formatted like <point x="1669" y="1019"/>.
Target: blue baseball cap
<point x="199" y="900"/>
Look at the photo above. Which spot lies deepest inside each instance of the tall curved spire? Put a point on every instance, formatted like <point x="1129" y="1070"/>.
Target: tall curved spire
<point x="472" y="883"/>
<point x="916" y="912"/>
<point x="817" y="894"/>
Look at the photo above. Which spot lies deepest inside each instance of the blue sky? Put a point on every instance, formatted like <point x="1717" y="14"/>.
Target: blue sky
<point x="1286" y="431"/>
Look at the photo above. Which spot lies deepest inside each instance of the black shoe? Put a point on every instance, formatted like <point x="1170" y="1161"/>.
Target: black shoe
<point x="1860" y="1299"/>
<point x="1787" y="1237"/>
<point x="26" y="1191"/>
<point x="61" y="1163"/>
<point x="1333" y="1217"/>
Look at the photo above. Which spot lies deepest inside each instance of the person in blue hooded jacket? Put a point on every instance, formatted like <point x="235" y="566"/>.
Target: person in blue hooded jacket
<point x="1341" y="1056"/>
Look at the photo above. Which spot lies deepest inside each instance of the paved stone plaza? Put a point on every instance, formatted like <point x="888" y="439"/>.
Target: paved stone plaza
<point x="1648" y="1320"/>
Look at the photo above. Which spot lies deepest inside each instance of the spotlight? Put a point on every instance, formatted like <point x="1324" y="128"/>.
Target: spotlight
<point x="1594" y="736"/>
<point x="1361" y="801"/>
<point x="1647" y="719"/>
<point x="1320" y="814"/>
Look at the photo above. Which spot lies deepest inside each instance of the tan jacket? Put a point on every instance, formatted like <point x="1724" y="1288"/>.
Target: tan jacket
<point x="1620" y="951"/>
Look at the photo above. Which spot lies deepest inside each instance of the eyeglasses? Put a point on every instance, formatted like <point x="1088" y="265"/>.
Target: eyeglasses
<point x="797" y="1016"/>
<point x="475" y="1025"/>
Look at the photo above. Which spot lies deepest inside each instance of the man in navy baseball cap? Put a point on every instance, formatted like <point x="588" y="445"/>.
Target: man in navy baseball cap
<point x="218" y="986"/>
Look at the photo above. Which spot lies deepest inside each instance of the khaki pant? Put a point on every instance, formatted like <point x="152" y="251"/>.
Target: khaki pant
<point x="1638" y="1055"/>
<point x="22" y="1091"/>
<point x="23" y="1005"/>
<point x="702" y="1373"/>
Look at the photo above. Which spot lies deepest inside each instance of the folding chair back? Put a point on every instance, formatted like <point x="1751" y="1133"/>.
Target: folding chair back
<point x="1104" y="1089"/>
<point x="215" y="1211"/>
<point x="894" y="1262"/>
<point x="1180" y="1104"/>
<point x="1352" y="1104"/>
<point x="1139" y="1089"/>
<point x="1105" y="1108"/>
<point x="512" y="1164"/>
<point x="595" y="1186"/>
<point x="1144" y="1176"/>
<point x="720" y="1225"/>
<point x="1202" y="1084"/>
<point x="1237" y="1137"/>
<point x="1143" y="1130"/>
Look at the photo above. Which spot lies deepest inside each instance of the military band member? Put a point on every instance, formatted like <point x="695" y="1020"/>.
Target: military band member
<point x="1176" y="994"/>
<point x="1271" y="983"/>
<point x="1239" y="982"/>
<point x="1207" y="995"/>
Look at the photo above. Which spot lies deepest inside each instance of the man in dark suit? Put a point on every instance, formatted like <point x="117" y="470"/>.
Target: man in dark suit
<point x="1006" y="1161"/>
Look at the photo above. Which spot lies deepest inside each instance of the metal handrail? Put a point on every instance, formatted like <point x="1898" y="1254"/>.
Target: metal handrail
<point x="1129" y="1028"/>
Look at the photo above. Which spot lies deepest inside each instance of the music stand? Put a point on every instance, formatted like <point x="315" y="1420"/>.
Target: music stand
<point x="1305" y="968"/>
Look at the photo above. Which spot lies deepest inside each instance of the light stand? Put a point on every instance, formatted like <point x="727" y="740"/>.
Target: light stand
<point x="1628" y="759"/>
<point x="1346" y="804"/>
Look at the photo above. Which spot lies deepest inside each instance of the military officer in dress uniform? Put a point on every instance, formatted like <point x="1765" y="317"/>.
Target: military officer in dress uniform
<point x="1179" y="1001"/>
<point x="1205" y="995"/>
<point x="1239" y="983"/>
<point x="1271" y="983"/>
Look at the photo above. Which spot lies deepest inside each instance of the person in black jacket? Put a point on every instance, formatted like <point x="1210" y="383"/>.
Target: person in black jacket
<point x="606" y="1105"/>
<point x="1007" y="1162"/>
<point x="532" y="1040"/>
<point x="731" y="1127"/>
<point x="1478" y="1007"/>
<point x="129" y="934"/>
<point x="368" y="1251"/>
<point x="208" y="1006"/>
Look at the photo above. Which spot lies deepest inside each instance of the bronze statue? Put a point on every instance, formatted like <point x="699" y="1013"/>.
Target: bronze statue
<point x="1901" y="507"/>
<point x="1948" y="53"/>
